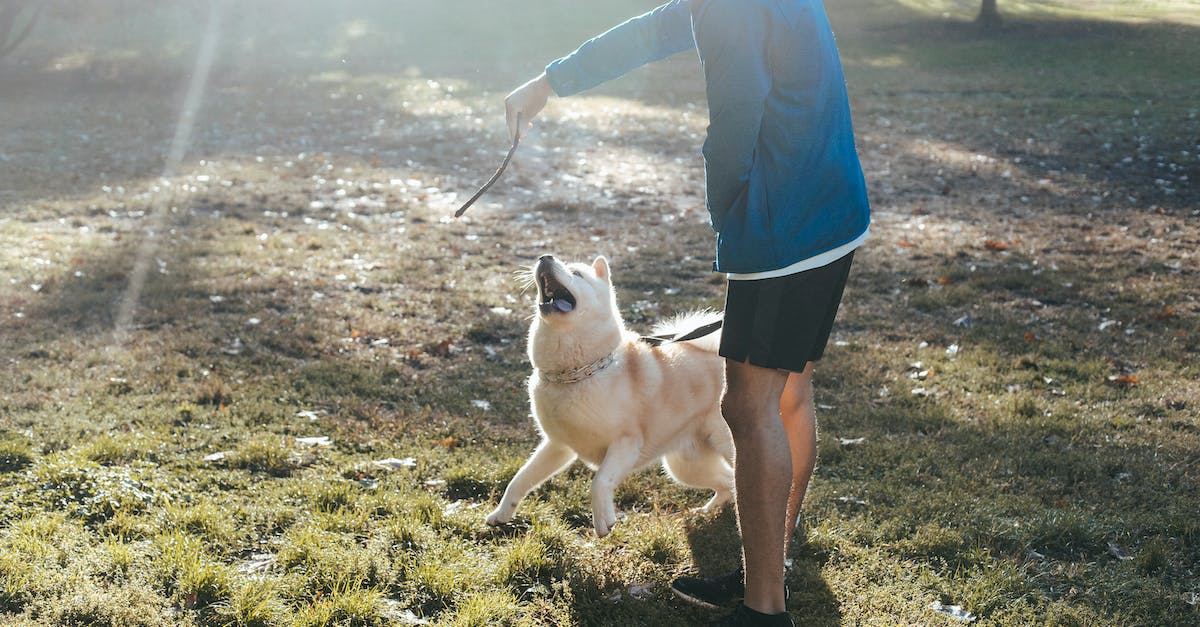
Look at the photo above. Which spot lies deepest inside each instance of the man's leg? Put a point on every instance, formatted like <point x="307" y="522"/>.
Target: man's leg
<point x="800" y="422"/>
<point x="762" y="476"/>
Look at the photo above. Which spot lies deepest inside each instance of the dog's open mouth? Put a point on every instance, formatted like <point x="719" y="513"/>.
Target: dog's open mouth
<point x="554" y="296"/>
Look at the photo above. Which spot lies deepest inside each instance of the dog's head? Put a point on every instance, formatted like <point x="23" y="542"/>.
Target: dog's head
<point x="570" y="292"/>
<point x="577" y="319"/>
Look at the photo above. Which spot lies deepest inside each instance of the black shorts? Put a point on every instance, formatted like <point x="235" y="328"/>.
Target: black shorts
<point x="783" y="322"/>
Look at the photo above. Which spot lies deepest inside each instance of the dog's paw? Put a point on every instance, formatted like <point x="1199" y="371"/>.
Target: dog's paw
<point x="499" y="517"/>
<point x="604" y="521"/>
<point x="715" y="503"/>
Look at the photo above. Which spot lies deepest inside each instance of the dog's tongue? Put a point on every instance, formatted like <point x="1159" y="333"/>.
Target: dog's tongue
<point x="563" y="305"/>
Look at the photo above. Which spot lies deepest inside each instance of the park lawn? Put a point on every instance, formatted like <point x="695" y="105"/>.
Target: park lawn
<point x="1009" y="407"/>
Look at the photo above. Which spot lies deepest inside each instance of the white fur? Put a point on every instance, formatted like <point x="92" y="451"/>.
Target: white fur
<point x="651" y="404"/>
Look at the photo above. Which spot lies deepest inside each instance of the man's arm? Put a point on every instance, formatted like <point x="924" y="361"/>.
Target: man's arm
<point x="732" y="38"/>
<point x="654" y="35"/>
<point x="649" y="37"/>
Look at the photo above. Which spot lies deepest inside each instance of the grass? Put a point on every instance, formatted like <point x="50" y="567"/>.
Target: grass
<point x="1008" y="409"/>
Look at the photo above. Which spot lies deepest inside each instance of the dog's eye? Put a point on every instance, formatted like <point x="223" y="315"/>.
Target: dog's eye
<point x="577" y="273"/>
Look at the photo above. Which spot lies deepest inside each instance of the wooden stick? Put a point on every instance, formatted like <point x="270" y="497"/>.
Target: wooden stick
<point x="496" y="176"/>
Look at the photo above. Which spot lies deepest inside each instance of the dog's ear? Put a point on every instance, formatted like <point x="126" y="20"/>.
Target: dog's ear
<point x="600" y="265"/>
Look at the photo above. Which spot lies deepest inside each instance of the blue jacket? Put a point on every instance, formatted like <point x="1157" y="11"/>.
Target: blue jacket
<point x="782" y="176"/>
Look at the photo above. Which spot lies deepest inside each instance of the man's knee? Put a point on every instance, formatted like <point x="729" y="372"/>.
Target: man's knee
<point x="751" y="403"/>
<point x="745" y="412"/>
<point x="738" y="413"/>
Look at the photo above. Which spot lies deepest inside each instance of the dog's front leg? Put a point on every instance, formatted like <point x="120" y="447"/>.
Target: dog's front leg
<point x="546" y="461"/>
<point x="621" y="459"/>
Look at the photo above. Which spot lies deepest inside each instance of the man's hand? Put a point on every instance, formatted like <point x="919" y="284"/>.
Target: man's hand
<point x="526" y="102"/>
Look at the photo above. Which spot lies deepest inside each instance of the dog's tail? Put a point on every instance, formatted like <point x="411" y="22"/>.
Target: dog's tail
<point x="688" y="322"/>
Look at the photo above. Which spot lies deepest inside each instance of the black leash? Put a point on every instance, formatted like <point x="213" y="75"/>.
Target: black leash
<point x="496" y="176"/>
<point x="698" y="332"/>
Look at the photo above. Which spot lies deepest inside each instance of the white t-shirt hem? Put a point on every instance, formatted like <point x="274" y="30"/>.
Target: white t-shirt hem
<point x="822" y="259"/>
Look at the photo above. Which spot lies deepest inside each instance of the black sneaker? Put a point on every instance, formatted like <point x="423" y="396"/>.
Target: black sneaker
<point x="711" y="592"/>
<point x="715" y="592"/>
<point x="746" y="617"/>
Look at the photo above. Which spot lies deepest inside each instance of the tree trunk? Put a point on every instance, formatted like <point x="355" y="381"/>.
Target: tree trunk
<point x="11" y="34"/>
<point x="989" y="17"/>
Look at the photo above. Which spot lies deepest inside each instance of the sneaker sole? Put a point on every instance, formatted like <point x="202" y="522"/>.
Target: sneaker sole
<point x="696" y="601"/>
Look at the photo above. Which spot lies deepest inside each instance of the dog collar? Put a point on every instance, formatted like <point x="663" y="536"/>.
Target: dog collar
<point x="575" y="375"/>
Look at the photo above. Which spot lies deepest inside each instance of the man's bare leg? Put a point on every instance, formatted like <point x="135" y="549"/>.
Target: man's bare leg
<point x="800" y="421"/>
<point x="763" y="477"/>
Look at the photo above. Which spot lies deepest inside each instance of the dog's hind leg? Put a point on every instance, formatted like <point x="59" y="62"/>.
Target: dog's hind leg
<point x="622" y="457"/>
<point x="548" y="460"/>
<point x="702" y="467"/>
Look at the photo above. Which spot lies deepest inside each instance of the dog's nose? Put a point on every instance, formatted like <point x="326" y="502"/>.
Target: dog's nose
<point x="545" y="257"/>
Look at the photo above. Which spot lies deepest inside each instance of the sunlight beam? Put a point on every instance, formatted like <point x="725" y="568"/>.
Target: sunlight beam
<point x="156" y="216"/>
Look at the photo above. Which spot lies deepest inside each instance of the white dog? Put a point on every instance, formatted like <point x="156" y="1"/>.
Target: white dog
<point x="601" y="394"/>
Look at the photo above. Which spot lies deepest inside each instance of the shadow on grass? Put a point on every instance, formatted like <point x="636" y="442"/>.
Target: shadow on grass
<point x="717" y="549"/>
<point x="1104" y="104"/>
<point x="1032" y="485"/>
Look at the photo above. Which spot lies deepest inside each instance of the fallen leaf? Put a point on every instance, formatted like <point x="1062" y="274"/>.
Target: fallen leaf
<point x="408" y="617"/>
<point x="996" y="245"/>
<point x="1030" y="337"/>
<point x="441" y="349"/>
<point x="1116" y="551"/>
<point x="1166" y="313"/>
<point x="1123" y="380"/>
<point x="944" y="280"/>
<point x="392" y="463"/>
<point x="921" y="375"/>
<point x="258" y="562"/>
<point x="450" y="442"/>
<point x="953" y="611"/>
<point x="641" y="590"/>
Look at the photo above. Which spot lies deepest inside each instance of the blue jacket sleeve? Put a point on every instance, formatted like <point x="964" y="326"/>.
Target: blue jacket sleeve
<point x="649" y="37"/>
<point x="731" y="36"/>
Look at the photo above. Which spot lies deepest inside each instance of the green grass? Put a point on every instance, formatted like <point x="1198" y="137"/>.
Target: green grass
<point x="1015" y="350"/>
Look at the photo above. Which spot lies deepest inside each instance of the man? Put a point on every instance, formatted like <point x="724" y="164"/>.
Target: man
<point x="786" y="196"/>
